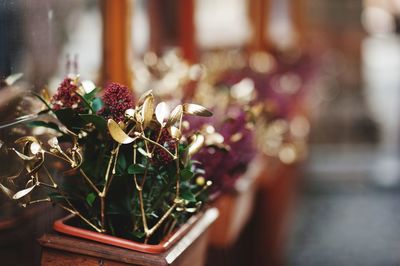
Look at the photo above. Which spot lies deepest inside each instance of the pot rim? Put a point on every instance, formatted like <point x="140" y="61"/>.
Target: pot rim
<point x="61" y="227"/>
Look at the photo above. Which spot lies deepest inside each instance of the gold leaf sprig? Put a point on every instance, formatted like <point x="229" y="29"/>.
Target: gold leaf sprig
<point x="141" y="117"/>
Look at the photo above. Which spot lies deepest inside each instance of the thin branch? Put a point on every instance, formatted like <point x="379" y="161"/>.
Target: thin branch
<point x="39" y="201"/>
<point x="158" y="138"/>
<point x="139" y="189"/>
<point x="158" y="224"/>
<point x="89" y="181"/>
<point x="159" y="145"/>
<point x="75" y="212"/>
<point x="145" y="143"/>
<point x="59" y="157"/>
<point x="47" y="185"/>
<point x="144" y="220"/>
<point x="50" y="176"/>
<point x="178" y="172"/>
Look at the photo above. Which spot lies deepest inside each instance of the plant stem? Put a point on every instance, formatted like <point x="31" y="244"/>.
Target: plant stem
<point x="151" y="231"/>
<point x="172" y="226"/>
<point x="102" y="211"/>
<point x="77" y="213"/>
<point x="50" y="176"/>
<point x="140" y="192"/>
<point x="89" y="181"/>
<point x="46" y="185"/>
<point x="145" y="143"/>
<point x="55" y="155"/>
<point x="72" y="209"/>
<point x="103" y="193"/>
<point x="159" y="145"/>
<point x="178" y="171"/>
<point x="39" y="200"/>
<point x="144" y="220"/>
<point x="114" y="167"/>
<point x="158" y="138"/>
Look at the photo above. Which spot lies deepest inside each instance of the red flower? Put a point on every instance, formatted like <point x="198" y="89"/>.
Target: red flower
<point x="161" y="156"/>
<point x="117" y="99"/>
<point x="66" y="95"/>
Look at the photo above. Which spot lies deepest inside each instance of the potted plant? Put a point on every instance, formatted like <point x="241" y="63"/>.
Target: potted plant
<point x="128" y="178"/>
<point x="233" y="168"/>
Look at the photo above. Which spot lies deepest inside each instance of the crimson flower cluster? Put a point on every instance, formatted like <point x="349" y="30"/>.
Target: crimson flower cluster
<point x="161" y="157"/>
<point x="117" y="99"/>
<point x="66" y="95"/>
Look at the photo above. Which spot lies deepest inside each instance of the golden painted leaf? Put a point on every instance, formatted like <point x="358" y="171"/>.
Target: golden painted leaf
<point x="175" y="115"/>
<point x="196" y="144"/>
<point x="35" y="148"/>
<point x="53" y="142"/>
<point x="162" y="113"/>
<point x="36" y="167"/>
<point x="195" y="109"/>
<point x="7" y="191"/>
<point x="23" y="156"/>
<point x="130" y="113"/>
<point x="117" y="133"/>
<point x="138" y="117"/>
<point x="23" y="193"/>
<point x="175" y="132"/>
<point x="144" y="96"/>
<point x="26" y="139"/>
<point x="148" y="110"/>
<point x="144" y="153"/>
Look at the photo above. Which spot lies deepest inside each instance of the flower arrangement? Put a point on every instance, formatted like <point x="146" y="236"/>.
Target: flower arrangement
<point x="127" y="168"/>
<point x="224" y="164"/>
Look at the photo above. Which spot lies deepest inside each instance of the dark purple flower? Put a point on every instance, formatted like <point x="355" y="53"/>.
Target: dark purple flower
<point x="117" y="99"/>
<point x="161" y="156"/>
<point x="66" y="95"/>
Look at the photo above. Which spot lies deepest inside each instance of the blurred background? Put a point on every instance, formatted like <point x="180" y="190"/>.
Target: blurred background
<point x="345" y="208"/>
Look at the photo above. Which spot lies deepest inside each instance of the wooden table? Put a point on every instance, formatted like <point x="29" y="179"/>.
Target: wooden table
<point x="65" y="250"/>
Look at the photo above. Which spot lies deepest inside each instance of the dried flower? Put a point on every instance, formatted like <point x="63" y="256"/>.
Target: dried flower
<point x="66" y="95"/>
<point x="117" y="99"/>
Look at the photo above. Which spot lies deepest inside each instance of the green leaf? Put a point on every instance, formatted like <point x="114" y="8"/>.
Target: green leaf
<point x="70" y="119"/>
<point x="99" y="122"/>
<point x="86" y="102"/>
<point x="186" y="174"/>
<point x="121" y="162"/>
<point x="89" y="96"/>
<point x="90" y="199"/>
<point x="189" y="196"/>
<point x="42" y="100"/>
<point x="136" y="169"/>
<point x="44" y="124"/>
<point x="97" y="104"/>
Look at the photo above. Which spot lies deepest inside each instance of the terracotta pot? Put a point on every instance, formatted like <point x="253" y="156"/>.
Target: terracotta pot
<point x="187" y="244"/>
<point x="235" y="208"/>
<point x="62" y="227"/>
